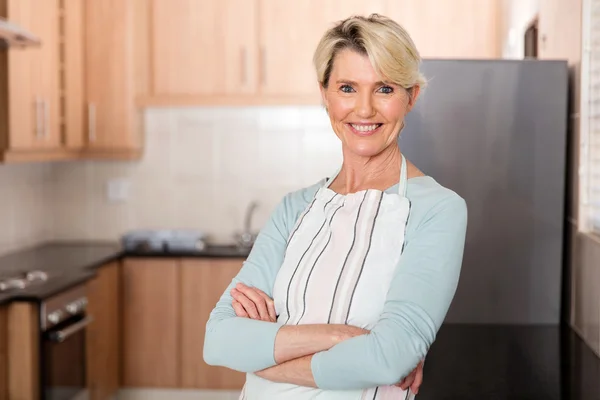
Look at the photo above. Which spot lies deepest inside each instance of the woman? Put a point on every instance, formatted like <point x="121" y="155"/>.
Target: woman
<point x="351" y="278"/>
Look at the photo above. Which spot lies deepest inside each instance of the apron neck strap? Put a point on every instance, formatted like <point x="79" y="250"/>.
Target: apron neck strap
<point x="403" y="178"/>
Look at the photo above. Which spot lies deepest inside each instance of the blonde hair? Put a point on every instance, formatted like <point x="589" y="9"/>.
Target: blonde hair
<point x="388" y="45"/>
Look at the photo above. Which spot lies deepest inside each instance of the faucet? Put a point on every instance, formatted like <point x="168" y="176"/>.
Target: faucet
<point x="246" y="237"/>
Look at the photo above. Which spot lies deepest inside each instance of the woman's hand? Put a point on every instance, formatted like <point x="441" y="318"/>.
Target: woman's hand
<point x="250" y="302"/>
<point x="413" y="380"/>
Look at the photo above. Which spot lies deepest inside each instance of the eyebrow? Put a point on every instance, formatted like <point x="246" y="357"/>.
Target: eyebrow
<point x="378" y="83"/>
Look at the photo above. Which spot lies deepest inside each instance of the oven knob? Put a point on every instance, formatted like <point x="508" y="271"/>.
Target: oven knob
<point x="72" y="308"/>
<point x="54" y="317"/>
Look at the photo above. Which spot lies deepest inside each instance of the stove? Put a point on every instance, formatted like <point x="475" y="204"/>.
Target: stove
<point x="20" y="281"/>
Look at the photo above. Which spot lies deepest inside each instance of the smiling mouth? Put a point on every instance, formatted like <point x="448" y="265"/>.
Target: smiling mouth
<point x="365" y="129"/>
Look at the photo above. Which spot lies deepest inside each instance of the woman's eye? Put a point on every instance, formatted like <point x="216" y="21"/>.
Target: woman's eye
<point x="387" y="89"/>
<point x="346" y="88"/>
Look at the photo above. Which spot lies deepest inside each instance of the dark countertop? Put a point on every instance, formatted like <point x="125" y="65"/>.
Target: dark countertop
<point x="497" y="362"/>
<point x="69" y="264"/>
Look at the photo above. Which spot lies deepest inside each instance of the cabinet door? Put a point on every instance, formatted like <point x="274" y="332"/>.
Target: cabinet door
<point x="34" y="95"/>
<point x="151" y="322"/>
<point x="103" y="336"/>
<point x="289" y="34"/>
<point x="3" y="353"/>
<point x="203" y="283"/>
<point x="110" y="75"/>
<point x="45" y="69"/>
<point x="450" y="29"/>
<point x="203" y="47"/>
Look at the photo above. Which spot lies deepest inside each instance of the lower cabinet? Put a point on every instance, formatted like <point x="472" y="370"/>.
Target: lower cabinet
<point x="151" y="320"/>
<point x="202" y="283"/>
<point x="104" y="334"/>
<point x="3" y="353"/>
<point x="166" y="304"/>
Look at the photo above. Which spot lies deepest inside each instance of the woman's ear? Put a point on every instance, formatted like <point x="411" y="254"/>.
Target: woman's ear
<point x="413" y="94"/>
<point x="324" y="101"/>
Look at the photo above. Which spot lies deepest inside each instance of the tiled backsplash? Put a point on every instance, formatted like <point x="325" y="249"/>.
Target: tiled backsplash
<point x="201" y="169"/>
<point x="26" y="194"/>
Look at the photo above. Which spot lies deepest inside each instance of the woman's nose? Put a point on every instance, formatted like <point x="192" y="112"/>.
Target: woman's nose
<point x="364" y="106"/>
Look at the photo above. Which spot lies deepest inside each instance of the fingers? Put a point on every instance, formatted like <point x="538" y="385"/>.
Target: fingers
<point x="408" y="381"/>
<point x="257" y="299"/>
<point x="418" y="379"/>
<point x="248" y="304"/>
<point x="270" y="305"/>
<point x="239" y="309"/>
<point x="257" y="304"/>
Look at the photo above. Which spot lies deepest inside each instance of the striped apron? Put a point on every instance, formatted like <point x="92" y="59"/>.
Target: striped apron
<point x="339" y="262"/>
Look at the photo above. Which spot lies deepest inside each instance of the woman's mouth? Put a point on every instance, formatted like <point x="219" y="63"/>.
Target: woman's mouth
<point x="365" y="129"/>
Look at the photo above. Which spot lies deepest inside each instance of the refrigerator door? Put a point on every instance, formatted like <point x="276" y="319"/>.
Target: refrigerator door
<point x="494" y="131"/>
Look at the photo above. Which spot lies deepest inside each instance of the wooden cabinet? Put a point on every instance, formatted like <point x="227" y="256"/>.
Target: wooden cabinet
<point x="260" y="51"/>
<point x="560" y="34"/>
<point x="3" y="353"/>
<point x="151" y="321"/>
<point x="166" y="304"/>
<point x="23" y="344"/>
<point x="72" y="97"/>
<point x="462" y="29"/>
<point x="109" y="78"/>
<point x="204" y="47"/>
<point x="203" y="283"/>
<point x="104" y="335"/>
<point x="29" y="91"/>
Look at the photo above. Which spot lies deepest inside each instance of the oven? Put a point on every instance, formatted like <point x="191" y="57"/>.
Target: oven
<point x="64" y="320"/>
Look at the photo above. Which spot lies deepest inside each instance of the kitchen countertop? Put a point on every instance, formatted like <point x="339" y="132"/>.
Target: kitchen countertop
<point x="524" y="362"/>
<point x="69" y="264"/>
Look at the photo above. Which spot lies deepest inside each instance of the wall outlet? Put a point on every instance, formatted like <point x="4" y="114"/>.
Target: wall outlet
<point x="117" y="190"/>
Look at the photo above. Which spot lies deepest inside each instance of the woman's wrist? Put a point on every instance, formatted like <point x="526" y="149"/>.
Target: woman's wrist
<point x="294" y="341"/>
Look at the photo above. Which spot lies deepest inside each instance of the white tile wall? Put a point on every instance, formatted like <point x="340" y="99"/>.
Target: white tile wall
<point x="26" y="195"/>
<point x="201" y="168"/>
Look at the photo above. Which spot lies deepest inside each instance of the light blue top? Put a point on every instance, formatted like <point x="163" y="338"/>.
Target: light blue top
<point x="420" y="294"/>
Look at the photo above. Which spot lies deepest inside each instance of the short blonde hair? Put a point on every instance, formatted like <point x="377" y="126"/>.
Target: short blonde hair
<point x="388" y="45"/>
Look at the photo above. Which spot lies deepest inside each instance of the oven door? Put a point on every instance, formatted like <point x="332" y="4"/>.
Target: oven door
<point x="64" y="360"/>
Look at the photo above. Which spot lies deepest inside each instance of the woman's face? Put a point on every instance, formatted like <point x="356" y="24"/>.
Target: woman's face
<point x="365" y="113"/>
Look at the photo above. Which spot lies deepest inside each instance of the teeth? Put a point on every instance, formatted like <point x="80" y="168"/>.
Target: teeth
<point x="365" y="128"/>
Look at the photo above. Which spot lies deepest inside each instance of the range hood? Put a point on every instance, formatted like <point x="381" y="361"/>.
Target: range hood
<point x="13" y="35"/>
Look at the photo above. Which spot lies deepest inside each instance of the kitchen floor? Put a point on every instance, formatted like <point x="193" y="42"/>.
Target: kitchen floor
<point x="483" y="362"/>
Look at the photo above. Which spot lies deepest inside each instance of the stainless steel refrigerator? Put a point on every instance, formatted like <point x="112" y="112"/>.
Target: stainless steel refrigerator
<point x="495" y="132"/>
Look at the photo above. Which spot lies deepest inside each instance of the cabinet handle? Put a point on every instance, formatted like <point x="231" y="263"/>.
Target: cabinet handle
<point x="91" y="122"/>
<point x="46" y="108"/>
<point x="244" y="66"/>
<point x="263" y="66"/>
<point x="38" y="118"/>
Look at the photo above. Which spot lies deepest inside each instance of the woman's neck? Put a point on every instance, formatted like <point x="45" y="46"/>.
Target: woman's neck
<point x="360" y="173"/>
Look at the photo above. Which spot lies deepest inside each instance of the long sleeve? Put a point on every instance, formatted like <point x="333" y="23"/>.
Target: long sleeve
<point x="420" y="294"/>
<point x="244" y="344"/>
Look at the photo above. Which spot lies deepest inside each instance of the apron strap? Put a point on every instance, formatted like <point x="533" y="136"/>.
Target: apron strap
<point x="403" y="178"/>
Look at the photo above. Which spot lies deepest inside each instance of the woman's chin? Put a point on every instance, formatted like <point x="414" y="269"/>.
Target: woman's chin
<point x="365" y="149"/>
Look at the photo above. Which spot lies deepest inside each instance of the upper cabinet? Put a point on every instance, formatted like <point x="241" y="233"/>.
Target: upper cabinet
<point x="467" y="29"/>
<point x="233" y="52"/>
<point x="72" y="97"/>
<point x="109" y="78"/>
<point x="203" y="47"/>
<point x="29" y="87"/>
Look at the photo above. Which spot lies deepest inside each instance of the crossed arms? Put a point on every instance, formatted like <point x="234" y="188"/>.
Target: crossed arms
<point x="319" y="356"/>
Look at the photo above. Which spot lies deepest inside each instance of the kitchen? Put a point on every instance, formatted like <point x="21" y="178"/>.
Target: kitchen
<point x="193" y="118"/>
